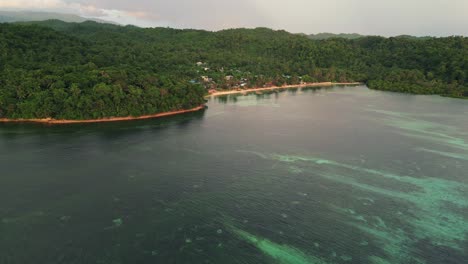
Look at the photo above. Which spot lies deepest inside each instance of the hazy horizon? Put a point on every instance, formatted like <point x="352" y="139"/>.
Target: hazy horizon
<point x="366" y="17"/>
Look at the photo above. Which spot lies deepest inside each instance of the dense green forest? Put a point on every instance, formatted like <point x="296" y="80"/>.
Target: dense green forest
<point x="322" y="36"/>
<point x="90" y="70"/>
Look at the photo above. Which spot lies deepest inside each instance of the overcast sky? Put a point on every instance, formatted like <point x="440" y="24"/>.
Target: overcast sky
<point x="376" y="17"/>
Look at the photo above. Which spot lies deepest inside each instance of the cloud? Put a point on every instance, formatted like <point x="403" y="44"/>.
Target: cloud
<point x="31" y="4"/>
<point x="89" y="10"/>
<point x="83" y="9"/>
<point x="206" y="14"/>
<point x="383" y="17"/>
<point x="51" y="5"/>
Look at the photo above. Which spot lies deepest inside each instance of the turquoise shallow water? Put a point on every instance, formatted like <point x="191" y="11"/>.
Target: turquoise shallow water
<point x="339" y="175"/>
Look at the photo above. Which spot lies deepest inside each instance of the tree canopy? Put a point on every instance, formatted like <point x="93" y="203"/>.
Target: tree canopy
<point x="90" y="70"/>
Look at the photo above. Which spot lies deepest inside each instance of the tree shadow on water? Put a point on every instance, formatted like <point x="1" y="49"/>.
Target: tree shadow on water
<point x="9" y="132"/>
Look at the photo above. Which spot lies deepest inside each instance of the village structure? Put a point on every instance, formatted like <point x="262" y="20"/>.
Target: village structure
<point x="221" y="79"/>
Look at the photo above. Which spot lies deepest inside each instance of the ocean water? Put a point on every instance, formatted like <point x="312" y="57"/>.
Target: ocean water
<point x="333" y="175"/>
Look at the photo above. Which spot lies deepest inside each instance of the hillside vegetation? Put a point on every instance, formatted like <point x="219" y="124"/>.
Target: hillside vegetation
<point x="322" y="36"/>
<point x="90" y="70"/>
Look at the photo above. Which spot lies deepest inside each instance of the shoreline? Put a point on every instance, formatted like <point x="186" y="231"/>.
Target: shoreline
<point x="324" y="84"/>
<point x="171" y="113"/>
<point x="101" y="120"/>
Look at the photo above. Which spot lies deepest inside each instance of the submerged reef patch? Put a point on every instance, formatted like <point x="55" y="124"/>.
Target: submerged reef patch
<point x="283" y="254"/>
<point x="434" y="206"/>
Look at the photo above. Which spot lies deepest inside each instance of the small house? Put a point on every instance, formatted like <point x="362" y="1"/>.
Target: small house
<point x="206" y="79"/>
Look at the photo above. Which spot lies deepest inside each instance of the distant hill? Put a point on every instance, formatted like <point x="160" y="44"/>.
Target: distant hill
<point x="413" y="37"/>
<point x="324" y="36"/>
<point x="27" y="16"/>
<point x="321" y="36"/>
<point x="61" y="25"/>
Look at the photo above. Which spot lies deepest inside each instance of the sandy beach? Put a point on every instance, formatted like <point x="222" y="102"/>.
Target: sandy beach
<point x="101" y="120"/>
<point x="324" y="84"/>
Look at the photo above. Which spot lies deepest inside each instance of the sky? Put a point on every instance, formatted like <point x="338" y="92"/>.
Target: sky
<point x="370" y="17"/>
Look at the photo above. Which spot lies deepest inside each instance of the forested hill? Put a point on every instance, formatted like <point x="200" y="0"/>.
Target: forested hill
<point x="90" y="70"/>
<point x="321" y="36"/>
<point x="19" y="16"/>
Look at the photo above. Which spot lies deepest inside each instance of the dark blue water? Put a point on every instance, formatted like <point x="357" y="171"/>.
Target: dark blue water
<point x="340" y="175"/>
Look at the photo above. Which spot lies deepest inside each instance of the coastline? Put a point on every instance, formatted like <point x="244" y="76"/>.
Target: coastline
<point x="101" y="120"/>
<point x="171" y="113"/>
<point x="324" y="84"/>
